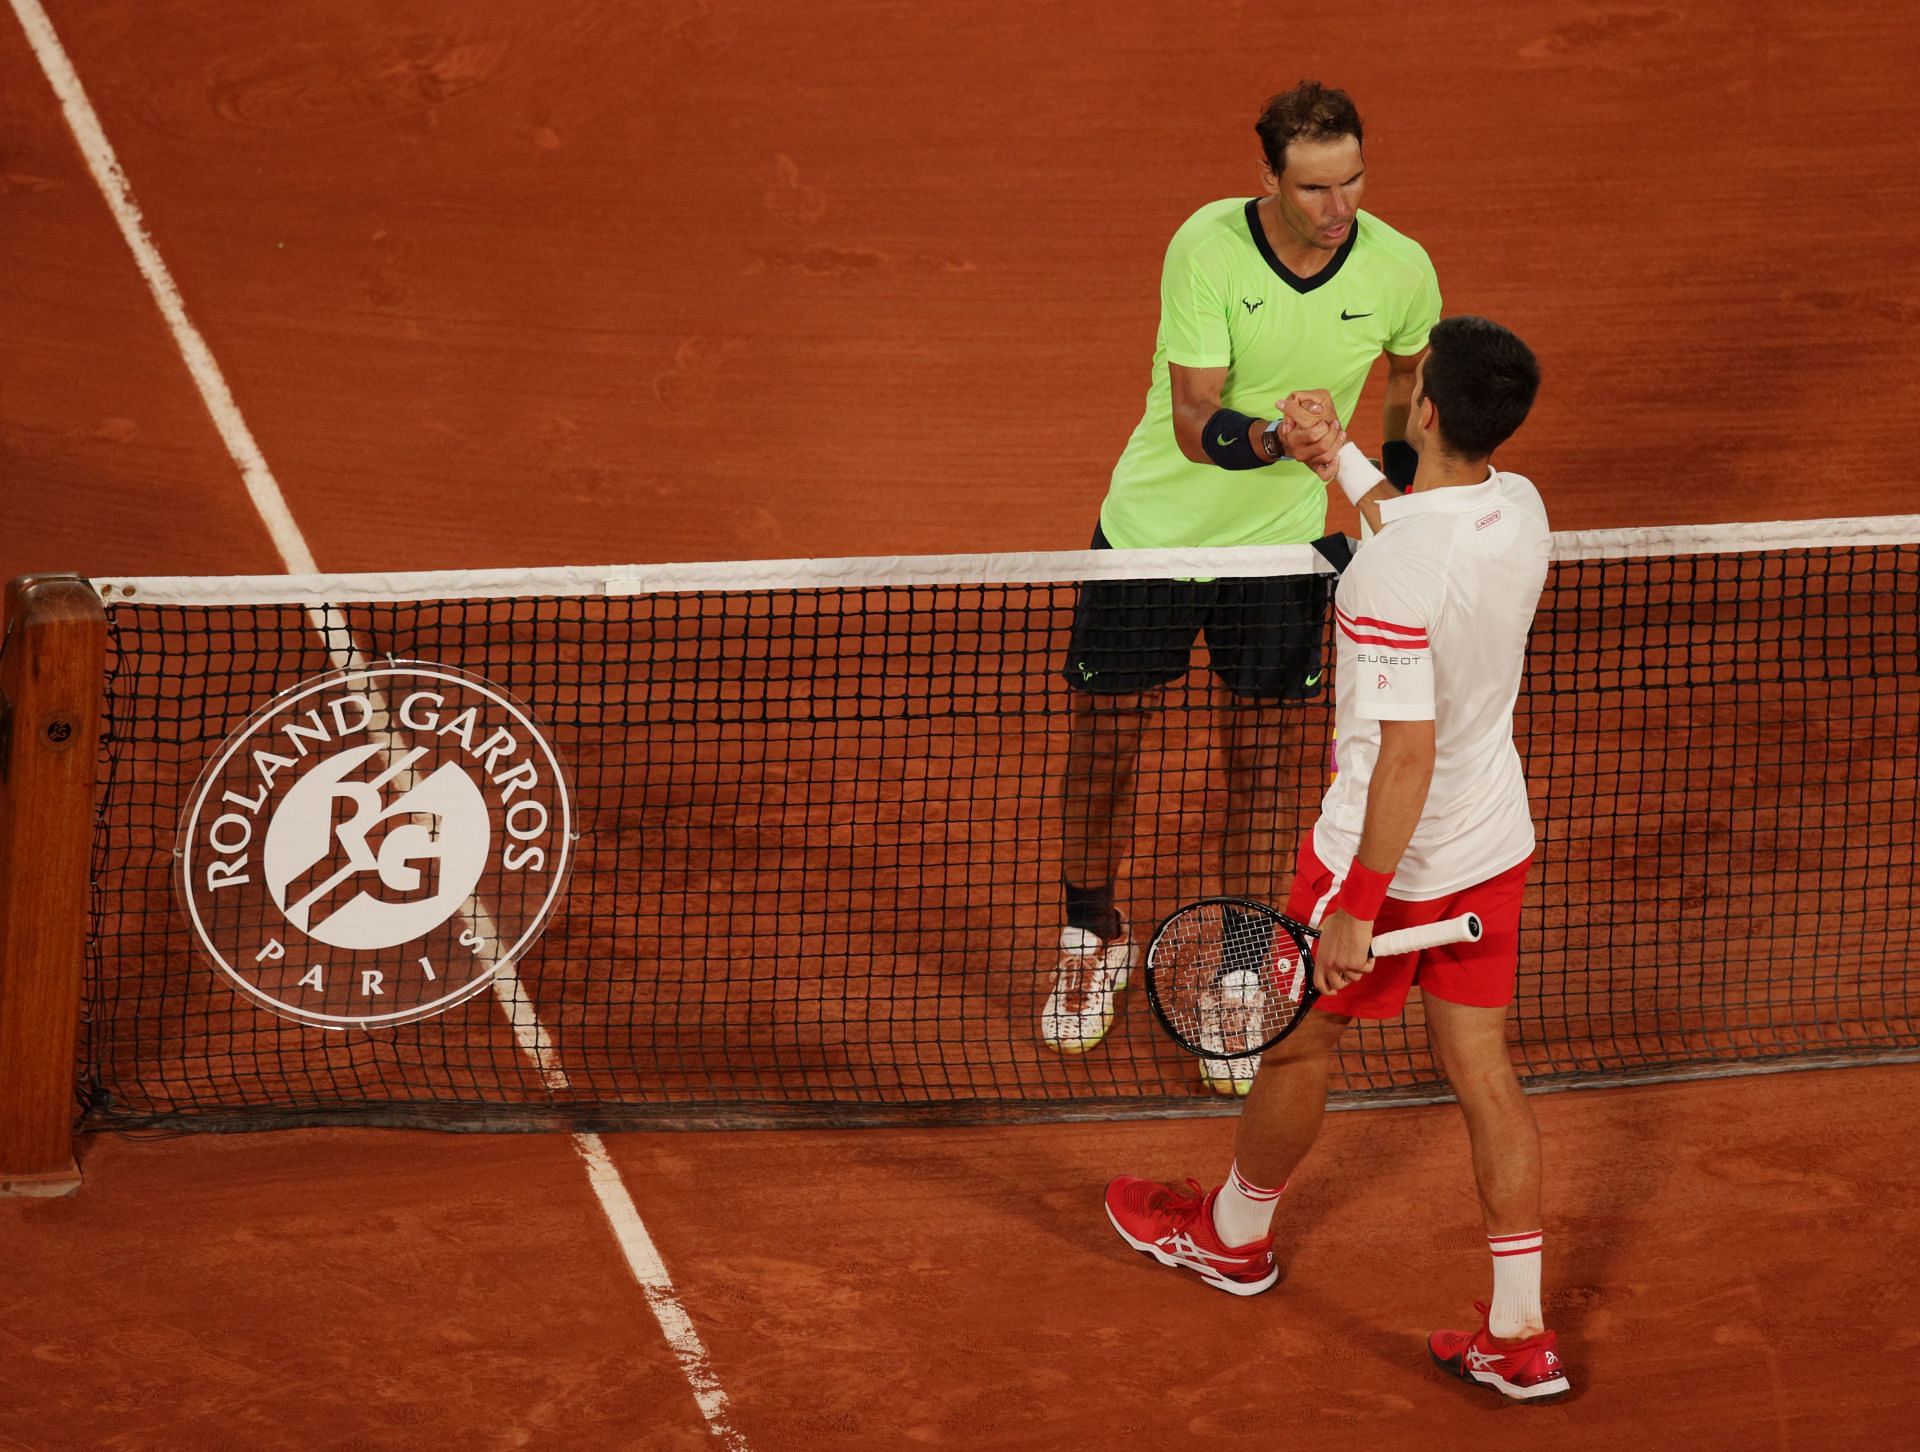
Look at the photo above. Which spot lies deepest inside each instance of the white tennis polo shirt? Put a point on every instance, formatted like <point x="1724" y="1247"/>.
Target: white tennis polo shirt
<point x="1430" y="624"/>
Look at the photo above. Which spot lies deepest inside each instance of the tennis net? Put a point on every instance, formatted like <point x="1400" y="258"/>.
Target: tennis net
<point x="800" y="859"/>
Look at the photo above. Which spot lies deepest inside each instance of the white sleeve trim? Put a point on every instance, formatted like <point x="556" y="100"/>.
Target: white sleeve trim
<point x="1395" y="713"/>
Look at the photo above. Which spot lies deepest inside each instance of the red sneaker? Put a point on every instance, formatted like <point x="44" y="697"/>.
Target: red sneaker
<point x="1176" y="1229"/>
<point x="1529" y="1371"/>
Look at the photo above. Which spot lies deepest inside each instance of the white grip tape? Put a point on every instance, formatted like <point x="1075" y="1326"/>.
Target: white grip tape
<point x="1358" y="478"/>
<point x="1463" y="929"/>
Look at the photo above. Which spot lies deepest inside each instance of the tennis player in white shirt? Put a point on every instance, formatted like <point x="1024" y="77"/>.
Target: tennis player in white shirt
<point x="1426" y="819"/>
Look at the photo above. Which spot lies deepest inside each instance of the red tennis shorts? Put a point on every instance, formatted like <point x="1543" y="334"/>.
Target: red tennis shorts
<point x="1477" y="975"/>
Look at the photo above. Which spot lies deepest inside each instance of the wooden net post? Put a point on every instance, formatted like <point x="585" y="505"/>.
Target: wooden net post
<point x="51" y="665"/>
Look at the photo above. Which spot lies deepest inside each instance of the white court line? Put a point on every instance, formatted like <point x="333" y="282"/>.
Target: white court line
<point x="651" y="1272"/>
<point x="291" y="545"/>
<point x="268" y="502"/>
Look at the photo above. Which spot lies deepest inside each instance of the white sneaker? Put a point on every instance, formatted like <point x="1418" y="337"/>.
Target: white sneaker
<point x="1086" y="985"/>
<point x="1229" y="1022"/>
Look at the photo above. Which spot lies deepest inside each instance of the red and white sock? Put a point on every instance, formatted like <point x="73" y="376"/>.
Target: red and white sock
<point x="1243" y="1211"/>
<point x="1516" y="1285"/>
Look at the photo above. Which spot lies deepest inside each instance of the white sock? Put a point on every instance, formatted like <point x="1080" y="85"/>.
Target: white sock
<point x="1516" y="1285"/>
<point x="1243" y="1211"/>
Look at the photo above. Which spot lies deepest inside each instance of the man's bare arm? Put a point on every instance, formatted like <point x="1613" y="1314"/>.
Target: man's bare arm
<point x="1196" y="398"/>
<point x="1396" y="795"/>
<point x="1397" y="792"/>
<point x="1400" y="371"/>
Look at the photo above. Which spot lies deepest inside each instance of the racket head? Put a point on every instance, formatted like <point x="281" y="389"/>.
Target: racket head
<point x="1228" y="977"/>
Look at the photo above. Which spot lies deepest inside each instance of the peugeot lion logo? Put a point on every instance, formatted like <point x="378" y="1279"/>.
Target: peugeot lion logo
<point x="375" y="846"/>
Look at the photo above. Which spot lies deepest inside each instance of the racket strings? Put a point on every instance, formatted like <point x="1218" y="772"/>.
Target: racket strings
<point x="1228" y="981"/>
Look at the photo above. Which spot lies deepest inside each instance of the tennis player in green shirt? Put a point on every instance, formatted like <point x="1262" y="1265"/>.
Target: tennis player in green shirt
<point x="1296" y="289"/>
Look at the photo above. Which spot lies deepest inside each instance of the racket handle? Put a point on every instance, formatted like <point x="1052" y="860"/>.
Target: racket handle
<point x="1463" y="929"/>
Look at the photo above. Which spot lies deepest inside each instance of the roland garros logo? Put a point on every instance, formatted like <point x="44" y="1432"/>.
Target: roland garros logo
<point x="374" y="846"/>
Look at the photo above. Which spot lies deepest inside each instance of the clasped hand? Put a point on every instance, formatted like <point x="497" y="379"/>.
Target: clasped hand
<point x="1310" y="430"/>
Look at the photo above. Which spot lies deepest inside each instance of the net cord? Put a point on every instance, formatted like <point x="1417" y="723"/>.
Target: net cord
<point x="1249" y="561"/>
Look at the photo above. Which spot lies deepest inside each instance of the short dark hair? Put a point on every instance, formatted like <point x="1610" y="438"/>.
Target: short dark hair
<point x="1482" y="379"/>
<point x="1309" y="112"/>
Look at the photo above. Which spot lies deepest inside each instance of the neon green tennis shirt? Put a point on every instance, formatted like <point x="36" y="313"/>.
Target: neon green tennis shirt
<point x="1227" y="302"/>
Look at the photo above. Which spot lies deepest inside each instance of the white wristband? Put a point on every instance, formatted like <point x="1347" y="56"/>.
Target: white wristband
<point x="1357" y="475"/>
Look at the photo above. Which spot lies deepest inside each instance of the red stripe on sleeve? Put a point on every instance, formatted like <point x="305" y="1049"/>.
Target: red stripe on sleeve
<point x="1400" y="642"/>
<point x="1378" y="624"/>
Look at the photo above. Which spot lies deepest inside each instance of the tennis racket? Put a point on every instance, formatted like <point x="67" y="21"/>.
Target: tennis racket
<point x="1229" y="978"/>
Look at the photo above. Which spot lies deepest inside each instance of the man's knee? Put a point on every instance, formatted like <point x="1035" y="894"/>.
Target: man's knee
<point x="1104" y="735"/>
<point x="1111" y="717"/>
<point x="1253" y="752"/>
<point x="1471" y="1044"/>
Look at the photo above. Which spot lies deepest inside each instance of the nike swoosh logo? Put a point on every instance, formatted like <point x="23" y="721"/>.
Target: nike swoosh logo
<point x="1347" y="317"/>
<point x="1225" y="441"/>
<point x="1314" y="679"/>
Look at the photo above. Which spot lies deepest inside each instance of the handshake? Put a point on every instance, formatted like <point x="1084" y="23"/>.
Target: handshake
<point x="1310" y="431"/>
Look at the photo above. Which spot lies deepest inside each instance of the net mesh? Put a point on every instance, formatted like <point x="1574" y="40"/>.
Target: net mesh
<point x="820" y="839"/>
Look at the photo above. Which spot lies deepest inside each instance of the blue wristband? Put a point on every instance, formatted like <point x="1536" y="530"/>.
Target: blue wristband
<point x="1225" y="440"/>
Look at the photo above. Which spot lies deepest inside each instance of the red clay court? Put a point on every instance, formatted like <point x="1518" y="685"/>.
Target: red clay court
<point x="538" y="288"/>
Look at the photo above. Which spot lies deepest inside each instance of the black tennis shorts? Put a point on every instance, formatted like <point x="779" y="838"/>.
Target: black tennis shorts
<point x="1264" y="636"/>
